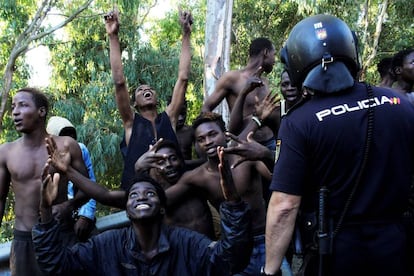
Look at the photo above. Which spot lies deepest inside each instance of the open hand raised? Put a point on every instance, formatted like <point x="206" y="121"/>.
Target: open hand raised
<point x="59" y="159"/>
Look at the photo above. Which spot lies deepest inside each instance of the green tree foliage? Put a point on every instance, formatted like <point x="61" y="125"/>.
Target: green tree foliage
<point x="262" y="18"/>
<point x="165" y="36"/>
<point x="20" y="27"/>
<point x="275" y="18"/>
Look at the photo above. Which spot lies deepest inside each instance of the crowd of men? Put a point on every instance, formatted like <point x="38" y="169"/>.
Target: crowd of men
<point x="316" y="183"/>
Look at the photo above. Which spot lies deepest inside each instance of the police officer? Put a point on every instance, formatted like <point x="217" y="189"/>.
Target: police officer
<point x="349" y="146"/>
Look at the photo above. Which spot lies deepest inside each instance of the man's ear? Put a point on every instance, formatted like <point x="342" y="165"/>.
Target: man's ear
<point x="42" y="111"/>
<point x="265" y="52"/>
<point x="162" y="211"/>
<point x="398" y="70"/>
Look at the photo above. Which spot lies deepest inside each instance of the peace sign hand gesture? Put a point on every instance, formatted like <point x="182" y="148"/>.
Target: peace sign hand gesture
<point x="253" y="81"/>
<point x="150" y="158"/>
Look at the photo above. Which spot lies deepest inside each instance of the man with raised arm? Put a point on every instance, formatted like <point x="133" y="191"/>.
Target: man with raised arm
<point x="232" y="83"/>
<point x="148" y="246"/>
<point x="147" y="126"/>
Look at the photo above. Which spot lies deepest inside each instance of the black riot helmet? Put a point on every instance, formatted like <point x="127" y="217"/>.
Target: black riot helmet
<point x="321" y="53"/>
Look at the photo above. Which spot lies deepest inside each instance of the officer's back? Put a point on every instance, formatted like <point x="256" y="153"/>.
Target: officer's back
<point x="348" y="146"/>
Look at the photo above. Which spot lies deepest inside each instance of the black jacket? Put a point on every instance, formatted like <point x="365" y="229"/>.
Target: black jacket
<point x="181" y="251"/>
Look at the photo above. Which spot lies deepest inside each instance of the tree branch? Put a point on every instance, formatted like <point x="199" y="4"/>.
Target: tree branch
<point x="23" y="42"/>
<point x="377" y="34"/>
<point x="63" y="23"/>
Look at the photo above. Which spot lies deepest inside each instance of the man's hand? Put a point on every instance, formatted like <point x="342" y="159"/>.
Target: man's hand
<point x="112" y="22"/>
<point x="247" y="150"/>
<point x="253" y="81"/>
<point x="186" y="20"/>
<point x="264" y="108"/>
<point x="59" y="159"/>
<point x="226" y="178"/>
<point x="48" y="193"/>
<point x="49" y="187"/>
<point x="150" y="158"/>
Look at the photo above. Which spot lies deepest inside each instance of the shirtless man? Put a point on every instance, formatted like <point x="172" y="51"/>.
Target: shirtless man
<point x="210" y="134"/>
<point x="384" y="68"/>
<point x="403" y="70"/>
<point x="166" y="166"/>
<point x="147" y="126"/>
<point x="228" y="86"/>
<point x="269" y="111"/>
<point x="185" y="137"/>
<point x="21" y="165"/>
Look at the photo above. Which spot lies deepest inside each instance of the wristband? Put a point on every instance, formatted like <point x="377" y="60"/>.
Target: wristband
<point x="263" y="273"/>
<point x="257" y="121"/>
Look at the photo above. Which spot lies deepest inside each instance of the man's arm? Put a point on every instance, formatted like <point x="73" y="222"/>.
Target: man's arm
<point x="221" y="90"/>
<point x="178" y="96"/>
<point x="177" y="191"/>
<point x="250" y="150"/>
<point x="265" y="114"/>
<point x="121" y="89"/>
<point x="97" y="191"/>
<point x="281" y="216"/>
<point x="52" y="255"/>
<point x="262" y="169"/>
<point x="236" y="120"/>
<point x="61" y="160"/>
<point x="86" y="214"/>
<point x="4" y="181"/>
<point x="236" y="244"/>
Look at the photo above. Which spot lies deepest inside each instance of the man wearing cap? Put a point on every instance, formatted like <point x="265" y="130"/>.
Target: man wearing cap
<point x="84" y="216"/>
<point x="345" y="161"/>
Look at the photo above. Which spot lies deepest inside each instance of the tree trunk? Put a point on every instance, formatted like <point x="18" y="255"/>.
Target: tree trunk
<point x="378" y="29"/>
<point x="217" y="47"/>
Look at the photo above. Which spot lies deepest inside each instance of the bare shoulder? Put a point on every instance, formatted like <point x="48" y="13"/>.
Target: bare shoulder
<point x="244" y="164"/>
<point x="5" y="149"/>
<point x="194" y="177"/>
<point x="231" y="76"/>
<point x="63" y="142"/>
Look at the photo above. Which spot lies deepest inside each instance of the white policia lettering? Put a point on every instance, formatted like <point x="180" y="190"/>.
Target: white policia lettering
<point x="360" y="105"/>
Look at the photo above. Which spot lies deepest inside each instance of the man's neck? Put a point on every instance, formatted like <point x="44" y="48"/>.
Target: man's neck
<point x="150" y="113"/>
<point x="212" y="164"/>
<point x="148" y="234"/>
<point x="34" y="138"/>
<point x="252" y="65"/>
<point x="404" y="86"/>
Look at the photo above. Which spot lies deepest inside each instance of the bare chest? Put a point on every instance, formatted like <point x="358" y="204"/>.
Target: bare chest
<point x="244" y="181"/>
<point x="26" y="164"/>
<point x="258" y="93"/>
